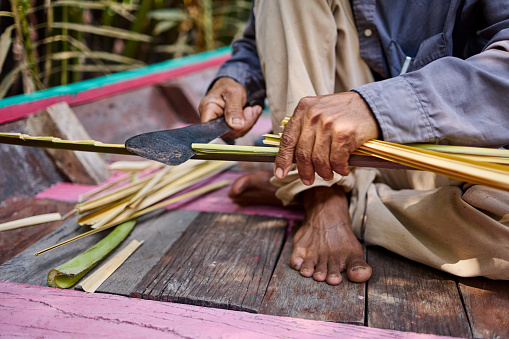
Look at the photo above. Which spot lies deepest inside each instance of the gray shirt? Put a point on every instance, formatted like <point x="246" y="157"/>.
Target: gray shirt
<point x="456" y="88"/>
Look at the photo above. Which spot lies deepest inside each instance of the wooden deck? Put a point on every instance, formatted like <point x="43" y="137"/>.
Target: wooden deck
<point x="240" y="262"/>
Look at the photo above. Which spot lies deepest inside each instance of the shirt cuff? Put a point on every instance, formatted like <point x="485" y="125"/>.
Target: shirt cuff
<point x="399" y="111"/>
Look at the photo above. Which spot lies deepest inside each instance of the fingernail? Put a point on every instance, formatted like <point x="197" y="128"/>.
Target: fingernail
<point x="306" y="182"/>
<point x="279" y="173"/>
<point x="237" y="122"/>
<point x="358" y="268"/>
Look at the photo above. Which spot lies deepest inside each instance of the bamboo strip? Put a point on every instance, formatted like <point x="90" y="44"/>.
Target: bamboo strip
<point x="52" y="142"/>
<point x="202" y="190"/>
<point x="30" y="221"/>
<point x="122" y="179"/>
<point x="492" y="175"/>
<point x="92" y="283"/>
<point x="175" y="186"/>
<point x="134" y="166"/>
<point x="199" y="191"/>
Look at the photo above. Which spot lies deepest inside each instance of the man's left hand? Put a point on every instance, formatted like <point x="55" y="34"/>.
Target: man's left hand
<point x="322" y="133"/>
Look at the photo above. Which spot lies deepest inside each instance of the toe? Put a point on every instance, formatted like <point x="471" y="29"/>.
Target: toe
<point x="238" y="186"/>
<point x="296" y="260"/>
<point x="357" y="269"/>
<point x="308" y="268"/>
<point x="320" y="271"/>
<point x="333" y="272"/>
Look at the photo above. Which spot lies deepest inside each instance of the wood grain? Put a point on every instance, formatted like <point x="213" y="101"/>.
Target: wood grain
<point x="407" y="296"/>
<point x="24" y="171"/>
<point x="61" y="122"/>
<point x="487" y="305"/>
<point x="222" y="260"/>
<point x="15" y="241"/>
<point x="158" y="230"/>
<point x="291" y="295"/>
<point x="38" y="312"/>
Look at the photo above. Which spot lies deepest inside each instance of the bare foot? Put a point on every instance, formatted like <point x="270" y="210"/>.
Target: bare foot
<point x="324" y="246"/>
<point x="254" y="189"/>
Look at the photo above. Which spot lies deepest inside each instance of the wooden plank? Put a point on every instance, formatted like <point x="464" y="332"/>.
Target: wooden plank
<point x="61" y="122"/>
<point x="158" y="233"/>
<point x="31" y="311"/>
<point x="15" y="241"/>
<point x="222" y="260"/>
<point x="156" y="229"/>
<point x="292" y="295"/>
<point x="407" y="296"/>
<point x="487" y="305"/>
<point x="25" y="171"/>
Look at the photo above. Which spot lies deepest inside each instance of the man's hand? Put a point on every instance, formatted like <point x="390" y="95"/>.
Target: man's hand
<point x="227" y="97"/>
<point x="322" y="133"/>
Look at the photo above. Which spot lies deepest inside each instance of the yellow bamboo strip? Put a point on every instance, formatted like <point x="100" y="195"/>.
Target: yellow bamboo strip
<point x="92" y="283"/>
<point x="134" y="166"/>
<point x="206" y="171"/>
<point x="30" y="221"/>
<point x="135" y="201"/>
<point x="102" y="213"/>
<point x="120" y="180"/>
<point x="492" y="175"/>
<point x="198" y="191"/>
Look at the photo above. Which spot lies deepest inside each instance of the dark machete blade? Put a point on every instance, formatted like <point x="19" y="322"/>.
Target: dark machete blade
<point x="173" y="147"/>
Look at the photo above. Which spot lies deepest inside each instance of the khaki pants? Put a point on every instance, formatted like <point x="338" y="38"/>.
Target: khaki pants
<point x="311" y="48"/>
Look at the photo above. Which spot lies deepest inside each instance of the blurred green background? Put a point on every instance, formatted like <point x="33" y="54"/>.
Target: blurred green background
<point x="46" y="43"/>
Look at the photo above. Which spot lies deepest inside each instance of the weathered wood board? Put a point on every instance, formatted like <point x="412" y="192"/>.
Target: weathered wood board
<point x="15" y="241"/>
<point x="487" y="305"/>
<point x="60" y="121"/>
<point x="406" y="296"/>
<point x="38" y="312"/>
<point x="24" y="171"/>
<point x="289" y="294"/>
<point x="158" y="230"/>
<point x="222" y="260"/>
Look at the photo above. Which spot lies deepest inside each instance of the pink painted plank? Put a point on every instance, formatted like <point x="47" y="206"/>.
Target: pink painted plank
<point x="24" y="109"/>
<point x="31" y="311"/>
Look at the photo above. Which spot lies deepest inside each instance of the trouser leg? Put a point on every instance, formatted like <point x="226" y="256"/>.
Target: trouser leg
<point x="306" y="48"/>
<point x="458" y="229"/>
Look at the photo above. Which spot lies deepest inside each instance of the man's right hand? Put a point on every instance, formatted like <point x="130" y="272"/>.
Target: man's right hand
<point x="228" y="97"/>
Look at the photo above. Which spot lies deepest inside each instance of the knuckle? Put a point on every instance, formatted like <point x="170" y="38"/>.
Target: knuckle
<point x="303" y="156"/>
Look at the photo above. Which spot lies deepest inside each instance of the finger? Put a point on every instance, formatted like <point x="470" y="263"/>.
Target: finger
<point x="303" y="156"/>
<point x="321" y="156"/>
<point x="251" y="115"/>
<point x="211" y="108"/>
<point x="233" y="109"/>
<point x="339" y="157"/>
<point x="289" y="139"/>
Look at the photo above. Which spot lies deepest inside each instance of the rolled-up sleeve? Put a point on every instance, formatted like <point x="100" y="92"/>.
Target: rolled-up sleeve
<point x="244" y="65"/>
<point x="450" y="100"/>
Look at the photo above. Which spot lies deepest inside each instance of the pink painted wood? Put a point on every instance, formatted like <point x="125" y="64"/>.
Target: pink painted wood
<point x="31" y="311"/>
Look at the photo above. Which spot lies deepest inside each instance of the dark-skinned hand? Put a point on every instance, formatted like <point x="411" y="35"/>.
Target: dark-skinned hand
<point x="322" y="133"/>
<point x="228" y="97"/>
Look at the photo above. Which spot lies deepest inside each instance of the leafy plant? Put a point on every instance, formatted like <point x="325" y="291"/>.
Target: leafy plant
<point x="47" y="43"/>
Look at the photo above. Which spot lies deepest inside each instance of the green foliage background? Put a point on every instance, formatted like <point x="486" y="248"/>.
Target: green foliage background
<point x="45" y="43"/>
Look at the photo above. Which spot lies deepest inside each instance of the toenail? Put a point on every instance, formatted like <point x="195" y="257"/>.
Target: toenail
<point x="318" y="273"/>
<point x="334" y="276"/>
<point x="358" y="268"/>
<point x="304" y="270"/>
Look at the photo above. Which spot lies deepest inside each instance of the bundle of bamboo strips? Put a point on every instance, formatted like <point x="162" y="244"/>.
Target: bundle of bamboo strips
<point x="476" y="165"/>
<point x="122" y="201"/>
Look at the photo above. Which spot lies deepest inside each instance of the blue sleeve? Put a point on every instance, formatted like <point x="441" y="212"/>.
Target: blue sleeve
<point x="244" y="66"/>
<point x="451" y="100"/>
